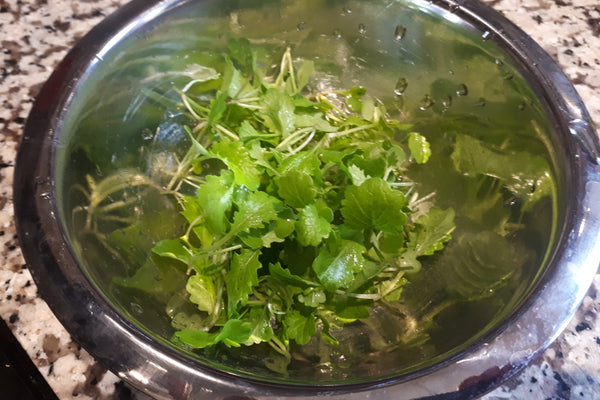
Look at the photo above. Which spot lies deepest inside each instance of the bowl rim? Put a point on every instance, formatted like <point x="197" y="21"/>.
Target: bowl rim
<point x="470" y="372"/>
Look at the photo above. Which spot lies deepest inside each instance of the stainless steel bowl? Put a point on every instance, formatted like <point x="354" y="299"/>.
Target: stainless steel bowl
<point x="137" y="348"/>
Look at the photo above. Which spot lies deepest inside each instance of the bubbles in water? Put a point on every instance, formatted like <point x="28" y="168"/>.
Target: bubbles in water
<point x="399" y="32"/>
<point x="462" y="90"/>
<point x="426" y="102"/>
<point x="347" y="10"/>
<point x="362" y="29"/>
<point x="400" y="86"/>
<point x="337" y="33"/>
<point x="486" y="35"/>
<point x="454" y="8"/>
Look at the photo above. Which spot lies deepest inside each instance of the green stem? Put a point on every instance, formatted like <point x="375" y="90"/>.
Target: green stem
<point x="280" y="347"/>
<point x="394" y="284"/>
<point x="294" y="137"/>
<point x="353" y="130"/>
<point x="227" y="132"/>
<point x="217" y="309"/>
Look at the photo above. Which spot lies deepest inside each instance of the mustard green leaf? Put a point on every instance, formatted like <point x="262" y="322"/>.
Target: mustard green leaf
<point x="241" y="278"/>
<point x="233" y="334"/>
<point x="312" y="297"/>
<point x="297" y="188"/>
<point x="419" y="147"/>
<point x="254" y="211"/>
<point x="279" y="114"/>
<point x="431" y="231"/>
<point x="311" y="228"/>
<point x="217" y="107"/>
<point x="176" y="249"/>
<point x="157" y="277"/>
<point x="528" y="176"/>
<point x="215" y="198"/>
<point x="259" y="318"/>
<point x="238" y="159"/>
<point x="299" y="327"/>
<point x="285" y="276"/>
<point x="374" y="204"/>
<point x="306" y="70"/>
<point x="202" y="292"/>
<point x="337" y="263"/>
<point x="241" y="54"/>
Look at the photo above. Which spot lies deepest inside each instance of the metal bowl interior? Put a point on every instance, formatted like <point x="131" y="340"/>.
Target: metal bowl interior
<point x="466" y="69"/>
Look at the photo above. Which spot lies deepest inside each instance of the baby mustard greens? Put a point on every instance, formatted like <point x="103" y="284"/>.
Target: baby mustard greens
<point x="306" y="223"/>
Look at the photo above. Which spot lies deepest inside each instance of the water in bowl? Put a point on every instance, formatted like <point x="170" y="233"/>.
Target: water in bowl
<point x="491" y="162"/>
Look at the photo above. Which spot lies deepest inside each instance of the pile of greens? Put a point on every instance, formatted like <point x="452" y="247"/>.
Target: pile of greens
<point x="299" y="217"/>
<point x="286" y="215"/>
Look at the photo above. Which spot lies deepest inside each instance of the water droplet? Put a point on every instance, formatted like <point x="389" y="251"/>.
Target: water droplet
<point x="513" y="202"/>
<point x="499" y="62"/>
<point x="399" y="32"/>
<point x="147" y="134"/>
<point x="301" y="26"/>
<point x="451" y="72"/>
<point x="522" y="105"/>
<point x="46" y="195"/>
<point x="480" y="102"/>
<point x="400" y="86"/>
<point x="136" y="308"/>
<point x="447" y="102"/>
<point x="362" y="29"/>
<point x="426" y="103"/>
<point x="347" y="10"/>
<point x="337" y="33"/>
<point x="454" y="8"/>
<point x="462" y="90"/>
<point x="486" y="35"/>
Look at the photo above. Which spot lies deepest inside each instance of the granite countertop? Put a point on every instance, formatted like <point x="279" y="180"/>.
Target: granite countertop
<point x="36" y="34"/>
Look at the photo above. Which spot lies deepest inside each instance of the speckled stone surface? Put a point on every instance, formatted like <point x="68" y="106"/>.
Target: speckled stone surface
<point x="36" y="34"/>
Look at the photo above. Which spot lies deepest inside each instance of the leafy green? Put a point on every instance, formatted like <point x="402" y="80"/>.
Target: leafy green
<point x="338" y="262"/>
<point x="374" y="205"/>
<point x="419" y="147"/>
<point x="526" y="175"/>
<point x="202" y="292"/>
<point x="297" y="189"/>
<point x="300" y="327"/>
<point x="215" y="199"/>
<point x="238" y="159"/>
<point x="255" y="211"/>
<point x="233" y="334"/>
<point x="431" y="231"/>
<point x="241" y="278"/>
<point x="279" y="114"/>
<point x="311" y="227"/>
